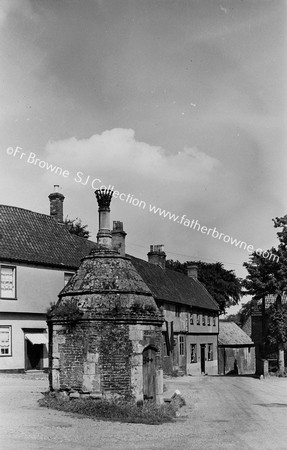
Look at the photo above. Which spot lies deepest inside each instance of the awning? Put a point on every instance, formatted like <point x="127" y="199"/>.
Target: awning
<point x="37" y="338"/>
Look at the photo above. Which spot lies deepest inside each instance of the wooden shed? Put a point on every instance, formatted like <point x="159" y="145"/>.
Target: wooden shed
<point x="236" y="350"/>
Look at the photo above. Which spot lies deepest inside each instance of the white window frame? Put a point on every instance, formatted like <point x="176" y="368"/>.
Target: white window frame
<point x="7" y="329"/>
<point x="181" y="342"/>
<point x="2" y="292"/>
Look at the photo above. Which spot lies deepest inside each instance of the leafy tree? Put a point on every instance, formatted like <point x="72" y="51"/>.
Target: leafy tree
<point x="75" y="227"/>
<point x="269" y="276"/>
<point x="222" y="284"/>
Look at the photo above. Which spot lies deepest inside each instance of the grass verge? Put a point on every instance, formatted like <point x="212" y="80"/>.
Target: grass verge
<point x="112" y="409"/>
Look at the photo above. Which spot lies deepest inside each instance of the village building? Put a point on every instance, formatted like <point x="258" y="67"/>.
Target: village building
<point x="236" y="350"/>
<point x="38" y="256"/>
<point x="256" y="325"/>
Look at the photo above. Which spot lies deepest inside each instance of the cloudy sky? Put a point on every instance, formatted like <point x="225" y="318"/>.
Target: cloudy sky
<point x="180" y="103"/>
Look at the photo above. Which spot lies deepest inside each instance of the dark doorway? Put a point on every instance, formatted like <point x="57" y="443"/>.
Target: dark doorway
<point x="149" y="374"/>
<point x="202" y="357"/>
<point x="33" y="356"/>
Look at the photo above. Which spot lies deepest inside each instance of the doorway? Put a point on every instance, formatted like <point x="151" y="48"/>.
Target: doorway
<point x="202" y="357"/>
<point x="33" y="356"/>
<point x="149" y="374"/>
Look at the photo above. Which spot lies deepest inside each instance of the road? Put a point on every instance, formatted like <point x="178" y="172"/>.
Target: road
<point x="221" y="413"/>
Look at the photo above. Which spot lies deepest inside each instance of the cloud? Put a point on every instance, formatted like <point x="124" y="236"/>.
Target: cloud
<point x="9" y="7"/>
<point x="116" y="157"/>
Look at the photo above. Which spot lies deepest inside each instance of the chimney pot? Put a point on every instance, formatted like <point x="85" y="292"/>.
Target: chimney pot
<point x="157" y="255"/>
<point x="56" y="204"/>
<point x="118" y="237"/>
<point x="192" y="271"/>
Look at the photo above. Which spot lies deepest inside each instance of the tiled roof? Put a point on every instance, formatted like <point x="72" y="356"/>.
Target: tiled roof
<point x="232" y="334"/>
<point x="173" y="286"/>
<point x="30" y="237"/>
<point x="35" y="238"/>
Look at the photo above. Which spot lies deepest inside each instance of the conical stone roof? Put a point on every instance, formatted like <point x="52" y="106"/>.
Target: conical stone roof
<point x="106" y="286"/>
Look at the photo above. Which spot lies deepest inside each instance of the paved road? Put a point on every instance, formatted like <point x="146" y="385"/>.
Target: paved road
<point x="221" y="413"/>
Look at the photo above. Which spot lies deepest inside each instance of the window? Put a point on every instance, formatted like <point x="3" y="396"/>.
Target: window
<point x="214" y="320"/>
<point x="177" y="311"/>
<point x="181" y="345"/>
<point x="8" y="283"/>
<point x="5" y="341"/>
<point x="193" y="358"/>
<point x="191" y="320"/>
<point x="198" y="319"/>
<point x="203" y="319"/>
<point x="67" y="277"/>
<point x="208" y="320"/>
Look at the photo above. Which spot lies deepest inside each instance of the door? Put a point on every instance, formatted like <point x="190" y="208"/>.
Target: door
<point x="149" y="374"/>
<point x="202" y="357"/>
<point x="33" y="356"/>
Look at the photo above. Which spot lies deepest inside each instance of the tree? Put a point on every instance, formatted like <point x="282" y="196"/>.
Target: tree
<point x="222" y="284"/>
<point x="75" y="227"/>
<point x="269" y="276"/>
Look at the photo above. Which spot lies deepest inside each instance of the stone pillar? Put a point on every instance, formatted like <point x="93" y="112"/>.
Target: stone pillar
<point x="104" y="236"/>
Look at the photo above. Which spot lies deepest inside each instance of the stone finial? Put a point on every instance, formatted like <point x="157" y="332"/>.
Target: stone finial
<point x="104" y="236"/>
<point x="104" y="197"/>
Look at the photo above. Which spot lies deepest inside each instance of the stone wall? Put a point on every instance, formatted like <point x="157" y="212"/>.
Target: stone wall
<point x="103" y="358"/>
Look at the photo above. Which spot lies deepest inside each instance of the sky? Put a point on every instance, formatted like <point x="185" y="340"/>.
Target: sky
<point x="179" y="103"/>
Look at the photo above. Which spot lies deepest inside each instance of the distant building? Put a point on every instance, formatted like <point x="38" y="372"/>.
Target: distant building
<point x="236" y="351"/>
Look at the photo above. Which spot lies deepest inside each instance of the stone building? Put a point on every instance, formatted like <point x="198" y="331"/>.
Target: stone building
<point x="38" y="256"/>
<point x="106" y="329"/>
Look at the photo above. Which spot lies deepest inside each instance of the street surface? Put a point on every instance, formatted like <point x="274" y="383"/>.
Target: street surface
<point x="221" y="413"/>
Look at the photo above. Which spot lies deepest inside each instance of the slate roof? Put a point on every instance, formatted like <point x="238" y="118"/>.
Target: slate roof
<point x="34" y="238"/>
<point x="231" y="334"/>
<point x="30" y="237"/>
<point x="174" y="286"/>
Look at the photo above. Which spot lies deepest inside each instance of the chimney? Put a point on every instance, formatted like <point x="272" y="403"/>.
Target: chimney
<point x="104" y="236"/>
<point x="192" y="271"/>
<point x="118" y="237"/>
<point x="157" y="256"/>
<point x="56" y="204"/>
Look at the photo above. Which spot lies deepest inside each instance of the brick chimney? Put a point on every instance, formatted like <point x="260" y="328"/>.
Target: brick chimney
<point x="157" y="256"/>
<point x="104" y="236"/>
<point x="192" y="271"/>
<point x="118" y="237"/>
<point x="56" y="204"/>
